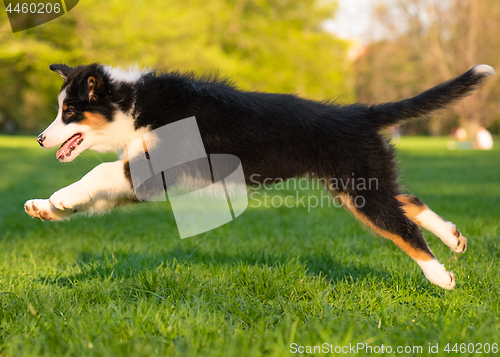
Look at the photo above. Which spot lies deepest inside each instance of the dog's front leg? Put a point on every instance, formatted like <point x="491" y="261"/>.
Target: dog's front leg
<point x="104" y="187"/>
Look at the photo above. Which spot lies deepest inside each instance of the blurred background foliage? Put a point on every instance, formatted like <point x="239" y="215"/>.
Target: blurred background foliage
<point x="427" y="42"/>
<point x="263" y="45"/>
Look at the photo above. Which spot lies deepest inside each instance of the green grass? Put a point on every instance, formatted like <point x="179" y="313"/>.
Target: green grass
<point x="124" y="284"/>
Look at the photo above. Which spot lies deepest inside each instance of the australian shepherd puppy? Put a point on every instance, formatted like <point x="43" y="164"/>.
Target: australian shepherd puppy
<point x="276" y="136"/>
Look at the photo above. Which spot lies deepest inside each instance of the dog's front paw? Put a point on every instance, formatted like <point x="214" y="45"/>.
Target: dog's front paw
<point x="68" y="198"/>
<point x="461" y="242"/>
<point x="44" y="210"/>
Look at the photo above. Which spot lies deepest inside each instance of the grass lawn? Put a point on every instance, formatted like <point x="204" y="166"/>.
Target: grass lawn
<point x="125" y="284"/>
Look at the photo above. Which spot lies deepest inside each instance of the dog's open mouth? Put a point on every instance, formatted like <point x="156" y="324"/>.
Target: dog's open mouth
<point x="68" y="146"/>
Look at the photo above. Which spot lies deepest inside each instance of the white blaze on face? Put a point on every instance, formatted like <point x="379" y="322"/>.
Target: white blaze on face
<point x="58" y="132"/>
<point x="74" y="138"/>
<point x="64" y="135"/>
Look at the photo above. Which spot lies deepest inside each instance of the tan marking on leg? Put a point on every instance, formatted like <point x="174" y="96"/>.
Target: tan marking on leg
<point x="126" y="171"/>
<point x="145" y="148"/>
<point x="411" y="209"/>
<point x="94" y="120"/>
<point x="416" y="254"/>
<point x="422" y="215"/>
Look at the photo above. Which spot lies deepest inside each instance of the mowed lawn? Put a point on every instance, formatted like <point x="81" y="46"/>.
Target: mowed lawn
<point x="125" y="284"/>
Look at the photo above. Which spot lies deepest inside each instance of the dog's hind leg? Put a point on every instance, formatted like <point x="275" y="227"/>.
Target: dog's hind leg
<point x="382" y="212"/>
<point x="419" y="213"/>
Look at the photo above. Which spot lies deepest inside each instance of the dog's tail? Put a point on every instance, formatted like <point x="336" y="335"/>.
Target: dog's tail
<point x="440" y="96"/>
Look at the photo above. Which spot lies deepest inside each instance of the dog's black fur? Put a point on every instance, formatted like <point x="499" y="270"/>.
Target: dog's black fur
<point x="277" y="136"/>
<point x="281" y="136"/>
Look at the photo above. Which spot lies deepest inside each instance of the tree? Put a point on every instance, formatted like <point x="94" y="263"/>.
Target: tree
<point x="28" y="88"/>
<point x="430" y="41"/>
<point x="263" y="45"/>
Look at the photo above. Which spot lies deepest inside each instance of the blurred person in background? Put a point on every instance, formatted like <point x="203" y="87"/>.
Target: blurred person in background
<point x="484" y="140"/>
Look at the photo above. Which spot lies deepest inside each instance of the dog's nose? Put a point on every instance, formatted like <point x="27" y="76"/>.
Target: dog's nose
<point x="40" y="139"/>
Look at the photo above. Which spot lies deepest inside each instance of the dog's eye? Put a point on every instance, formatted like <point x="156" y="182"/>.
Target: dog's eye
<point x="70" y="113"/>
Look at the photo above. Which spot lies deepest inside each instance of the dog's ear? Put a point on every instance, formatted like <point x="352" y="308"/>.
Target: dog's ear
<point x="61" y="69"/>
<point x="89" y="87"/>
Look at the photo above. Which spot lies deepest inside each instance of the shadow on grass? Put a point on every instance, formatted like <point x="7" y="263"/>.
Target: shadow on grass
<point x="116" y="266"/>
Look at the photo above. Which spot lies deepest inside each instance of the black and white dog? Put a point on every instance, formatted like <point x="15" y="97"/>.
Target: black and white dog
<point x="277" y="136"/>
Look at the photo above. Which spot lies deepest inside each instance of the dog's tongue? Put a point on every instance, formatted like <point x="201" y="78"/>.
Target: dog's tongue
<point x="65" y="149"/>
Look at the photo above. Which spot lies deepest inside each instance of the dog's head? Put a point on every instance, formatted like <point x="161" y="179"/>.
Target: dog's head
<point x="87" y="106"/>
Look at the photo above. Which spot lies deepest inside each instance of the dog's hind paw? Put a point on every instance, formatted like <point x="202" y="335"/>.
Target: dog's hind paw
<point x="437" y="274"/>
<point x="44" y="210"/>
<point x="448" y="285"/>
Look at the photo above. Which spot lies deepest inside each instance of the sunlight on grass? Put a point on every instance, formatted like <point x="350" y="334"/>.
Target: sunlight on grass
<point x="124" y="284"/>
<point x="18" y="142"/>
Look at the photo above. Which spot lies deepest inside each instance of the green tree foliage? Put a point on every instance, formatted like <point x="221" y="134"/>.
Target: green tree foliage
<point x="263" y="45"/>
<point x="26" y="85"/>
